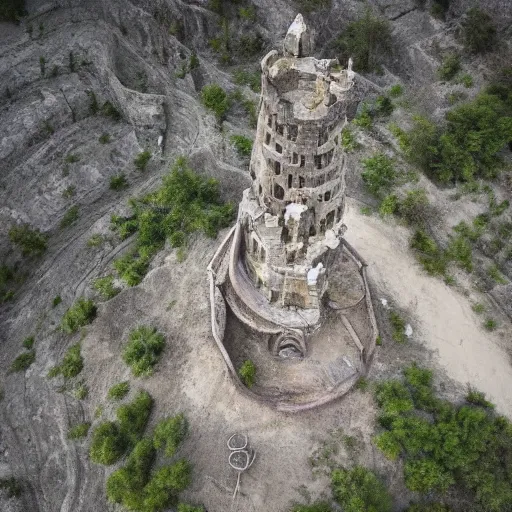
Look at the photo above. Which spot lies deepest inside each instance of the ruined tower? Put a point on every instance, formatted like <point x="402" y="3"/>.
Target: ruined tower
<point x="287" y="291"/>
<point x="292" y="216"/>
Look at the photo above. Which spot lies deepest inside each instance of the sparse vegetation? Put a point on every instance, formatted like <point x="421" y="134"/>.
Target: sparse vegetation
<point x="490" y="324"/>
<point x="252" y="79"/>
<point x="11" y="485"/>
<point x="141" y="160"/>
<point x="79" y="431"/>
<point x="71" y="365"/>
<point x="31" y="241"/>
<point x="396" y="90"/>
<point x="69" y="192"/>
<point x="56" y="301"/>
<point x="109" y="110"/>
<point x="108" y="444"/>
<point x="105" y="287"/>
<point x="348" y="140"/>
<point x="72" y="158"/>
<point x="247" y="373"/>
<point x="70" y="217"/>
<point x="243" y="145"/>
<point x="145" y="344"/>
<point x="23" y="361"/>
<point x="214" y="98"/>
<point x="119" y="391"/>
<point x="42" y="65"/>
<point x="82" y="312"/>
<point x="12" y="10"/>
<point x="366" y="40"/>
<point x="96" y="240"/>
<point x="186" y="202"/>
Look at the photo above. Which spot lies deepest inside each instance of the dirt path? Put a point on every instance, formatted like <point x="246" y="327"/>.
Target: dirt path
<point x="444" y="319"/>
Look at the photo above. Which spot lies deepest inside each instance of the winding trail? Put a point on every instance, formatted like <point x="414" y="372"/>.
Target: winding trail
<point x="446" y="323"/>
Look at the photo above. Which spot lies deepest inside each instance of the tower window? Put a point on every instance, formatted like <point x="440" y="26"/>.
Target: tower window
<point x="293" y="131"/>
<point x="295" y="158"/>
<point x="302" y="160"/>
<point x="263" y="254"/>
<point x="279" y="148"/>
<point x="269" y="121"/>
<point x="280" y="129"/>
<point x="318" y="161"/>
<point x="301" y="181"/>
<point x="327" y="196"/>
<point x="290" y="180"/>
<point x="277" y="168"/>
<point x="267" y="139"/>
<point x="278" y="191"/>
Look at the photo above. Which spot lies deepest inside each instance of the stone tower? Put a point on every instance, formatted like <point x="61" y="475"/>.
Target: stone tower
<point x="292" y="216"/>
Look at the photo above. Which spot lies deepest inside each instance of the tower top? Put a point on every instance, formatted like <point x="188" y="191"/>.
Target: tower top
<point x="298" y="41"/>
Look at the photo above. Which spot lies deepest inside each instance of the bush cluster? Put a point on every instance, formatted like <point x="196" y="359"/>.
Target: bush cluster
<point x="141" y="160"/>
<point x="449" y="67"/>
<point x="478" y="31"/>
<point x="466" y="147"/>
<point x="185" y="203"/>
<point x="7" y="276"/>
<point x="81" y="313"/>
<point x="142" y="352"/>
<point x="31" y="241"/>
<point x="70" y="217"/>
<point x="379" y="174"/>
<point x="119" y="391"/>
<point x="465" y="447"/>
<point x="23" y="361"/>
<point x="79" y="431"/>
<point x="252" y="79"/>
<point x="105" y="287"/>
<point x="71" y="365"/>
<point x="243" y="145"/>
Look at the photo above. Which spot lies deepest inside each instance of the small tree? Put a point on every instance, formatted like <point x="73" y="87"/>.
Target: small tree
<point x="379" y="174"/>
<point x="214" y="98"/>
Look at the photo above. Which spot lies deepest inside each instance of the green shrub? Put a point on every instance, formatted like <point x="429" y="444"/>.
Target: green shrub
<point x="490" y="324"/>
<point x="23" y="361"/>
<point x="478" y="308"/>
<point x="119" y="391"/>
<point x="393" y="397"/>
<point x="96" y="240"/>
<point x="348" y="140"/>
<point x="105" y="287"/>
<point x="104" y="138"/>
<point x="169" y="433"/>
<point x="398" y="326"/>
<point x="379" y="174"/>
<point x="185" y="203"/>
<point x="7" y="276"/>
<point x="478" y="31"/>
<point x="243" y="145"/>
<point x="363" y="118"/>
<point x="426" y="476"/>
<point x="31" y="241"/>
<point x="108" y="444"/>
<point x="359" y="490"/>
<point x="81" y="313"/>
<point x="182" y="507"/>
<point x="145" y="344"/>
<point x="494" y="272"/>
<point x="459" y="250"/>
<point x="118" y="182"/>
<point x="449" y="67"/>
<point x="366" y="41"/>
<point x="214" y="98"/>
<point x="72" y="158"/>
<point x="71" y="365"/>
<point x="141" y="160"/>
<point x="362" y="384"/>
<point x="11" y="485"/>
<point x="247" y="373"/>
<point x="70" y="217"/>
<point x="252" y="79"/>
<point x="109" y="110"/>
<point x="396" y="90"/>
<point x="475" y="397"/>
<point x="414" y="207"/>
<point x="79" y="431"/>
<point x="466" y="80"/>
<point x="428" y="507"/>
<point x="383" y="106"/>
<point x="28" y="343"/>
<point x="81" y="392"/>
<point x="133" y="417"/>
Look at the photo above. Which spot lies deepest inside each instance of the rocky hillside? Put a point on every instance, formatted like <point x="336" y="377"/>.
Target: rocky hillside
<point x="97" y="100"/>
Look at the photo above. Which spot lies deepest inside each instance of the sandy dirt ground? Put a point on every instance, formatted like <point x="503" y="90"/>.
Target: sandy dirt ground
<point x="443" y="319"/>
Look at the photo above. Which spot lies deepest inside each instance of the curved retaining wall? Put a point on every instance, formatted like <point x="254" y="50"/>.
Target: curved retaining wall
<point x="218" y="317"/>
